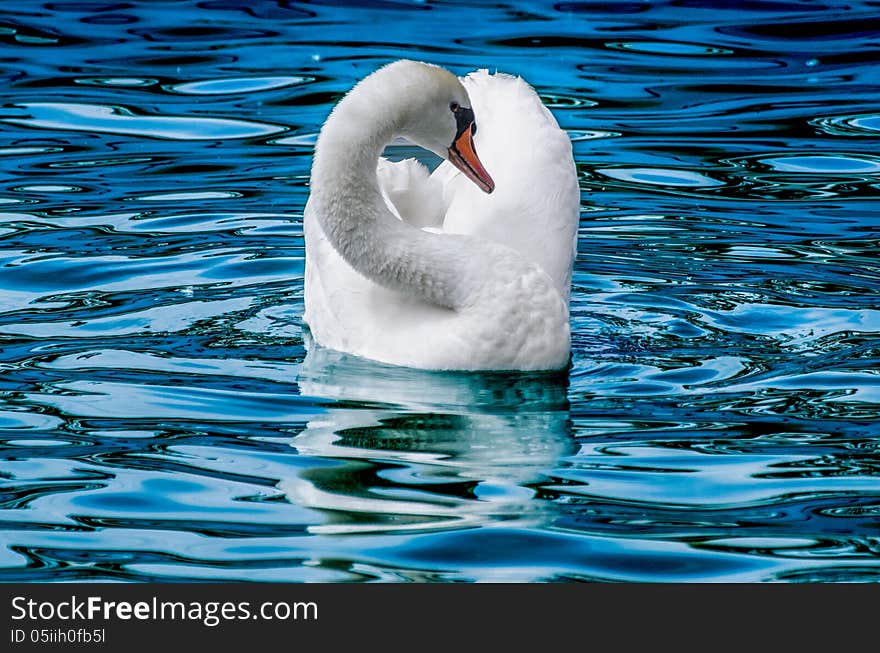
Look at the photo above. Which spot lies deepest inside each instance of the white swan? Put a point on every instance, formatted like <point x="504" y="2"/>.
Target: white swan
<point x="431" y="270"/>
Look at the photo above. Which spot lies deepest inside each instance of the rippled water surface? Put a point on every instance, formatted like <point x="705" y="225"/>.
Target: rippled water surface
<point x="160" y="420"/>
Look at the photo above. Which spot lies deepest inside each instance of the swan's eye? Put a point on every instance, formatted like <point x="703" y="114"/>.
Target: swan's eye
<point x="453" y="107"/>
<point x="464" y="121"/>
<point x="473" y="128"/>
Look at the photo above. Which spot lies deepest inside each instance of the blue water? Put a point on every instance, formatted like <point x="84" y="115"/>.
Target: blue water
<point x="160" y="421"/>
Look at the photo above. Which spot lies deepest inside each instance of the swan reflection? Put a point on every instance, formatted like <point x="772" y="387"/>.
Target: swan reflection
<point x="415" y="450"/>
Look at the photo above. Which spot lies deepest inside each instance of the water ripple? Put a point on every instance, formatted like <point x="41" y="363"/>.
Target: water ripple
<point x="160" y="419"/>
<point x="237" y="85"/>
<point x="860" y="125"/>
<point x="120" y="120"/>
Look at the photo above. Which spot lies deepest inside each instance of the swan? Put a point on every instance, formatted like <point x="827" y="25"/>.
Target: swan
<point x="458" y="269"/>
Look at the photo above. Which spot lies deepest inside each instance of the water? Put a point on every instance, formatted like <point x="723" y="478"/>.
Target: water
<point x="160" y="420"/>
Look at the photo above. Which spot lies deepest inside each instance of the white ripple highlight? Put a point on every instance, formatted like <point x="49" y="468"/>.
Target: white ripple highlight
<point x="120" y="120"/>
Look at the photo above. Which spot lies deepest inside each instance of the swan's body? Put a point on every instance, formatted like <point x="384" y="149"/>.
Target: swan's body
<point x="428" y="270"/>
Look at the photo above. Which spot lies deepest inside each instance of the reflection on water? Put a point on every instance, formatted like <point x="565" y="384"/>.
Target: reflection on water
<point x="159" y="417"/>
<point x="428" y="451"/>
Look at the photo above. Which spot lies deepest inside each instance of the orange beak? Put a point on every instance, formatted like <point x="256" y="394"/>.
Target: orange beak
<point x="464" y="157"/>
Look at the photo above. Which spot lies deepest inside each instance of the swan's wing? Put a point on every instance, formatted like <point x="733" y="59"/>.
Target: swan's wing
<point x="331" y="285"/>
<point x="536" y="203"/>
<point x="340" y="303"/>
<point x="411" y="193"/>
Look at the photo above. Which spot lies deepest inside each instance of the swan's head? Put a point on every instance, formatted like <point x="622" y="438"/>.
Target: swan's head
<point x="436" y="114"/>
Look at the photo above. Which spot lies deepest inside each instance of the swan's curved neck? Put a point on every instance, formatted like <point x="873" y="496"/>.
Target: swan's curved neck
<point x="354" y="217"/>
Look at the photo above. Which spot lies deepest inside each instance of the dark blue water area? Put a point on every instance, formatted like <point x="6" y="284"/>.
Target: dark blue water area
<point x="159" y="417"/>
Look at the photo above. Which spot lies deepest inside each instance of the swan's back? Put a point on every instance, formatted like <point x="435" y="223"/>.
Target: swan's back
<point x="535" y="206"/>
